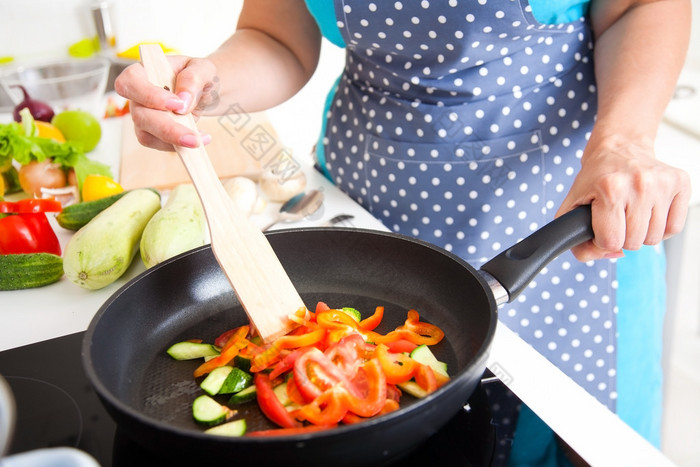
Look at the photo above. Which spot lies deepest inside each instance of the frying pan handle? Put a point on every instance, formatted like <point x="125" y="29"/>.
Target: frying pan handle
<point x="516" y="266"/>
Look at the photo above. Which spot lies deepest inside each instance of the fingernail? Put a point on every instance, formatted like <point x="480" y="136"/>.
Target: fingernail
<point x="189" y="141"/>
<point x="614" y="255"/>
<point x="175" y="105"/>
<point x="186" y="99"/>
<point x="205" y="138"/>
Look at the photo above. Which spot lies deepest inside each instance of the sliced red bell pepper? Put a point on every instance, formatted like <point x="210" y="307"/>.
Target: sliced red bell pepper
<point x="369" y="324"/>
<point x="27" y="233"/>
<point x="270" y="404"/>
<point x="397" y="367"/>
<point x="401" y="346"/>
<point x="235" y="343"/>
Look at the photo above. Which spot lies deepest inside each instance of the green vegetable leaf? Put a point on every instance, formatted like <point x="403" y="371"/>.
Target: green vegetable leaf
<point x="17" y="141"/>
<point x="84" y="166"/>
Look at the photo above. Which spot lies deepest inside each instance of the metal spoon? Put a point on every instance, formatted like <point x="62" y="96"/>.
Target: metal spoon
<point x="298" y="207"/>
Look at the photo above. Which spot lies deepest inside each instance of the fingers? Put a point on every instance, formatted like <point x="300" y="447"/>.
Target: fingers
<point x="151" y="105"/>
<point x="632" y="204"/>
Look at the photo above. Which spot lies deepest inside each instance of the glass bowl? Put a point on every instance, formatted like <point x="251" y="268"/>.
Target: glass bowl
<point x="64" y="84"/>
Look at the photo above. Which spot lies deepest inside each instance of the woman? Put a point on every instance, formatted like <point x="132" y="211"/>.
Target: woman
<point x="471" y="123"/>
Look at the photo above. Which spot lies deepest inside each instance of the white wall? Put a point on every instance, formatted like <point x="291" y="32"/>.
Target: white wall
<point x="45" y="28"/>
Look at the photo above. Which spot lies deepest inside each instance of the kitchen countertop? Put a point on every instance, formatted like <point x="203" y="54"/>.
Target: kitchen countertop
<point x="598" y="435"/>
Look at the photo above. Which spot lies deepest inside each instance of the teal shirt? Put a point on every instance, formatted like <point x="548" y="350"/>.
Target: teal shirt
<point x="544" y="11"/>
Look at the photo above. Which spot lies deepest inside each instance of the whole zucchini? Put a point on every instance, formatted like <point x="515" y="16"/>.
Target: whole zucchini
<point x="24" y="271"/>
<point x="101" y="251"/>
<point x="75" y="216"/>
<point x="180" y="226"/>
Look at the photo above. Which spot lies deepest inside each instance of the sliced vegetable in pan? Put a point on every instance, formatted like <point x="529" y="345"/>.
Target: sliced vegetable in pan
<point x="334" y="368"/>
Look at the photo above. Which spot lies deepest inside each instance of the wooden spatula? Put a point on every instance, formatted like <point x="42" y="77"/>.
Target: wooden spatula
<point x="244" y="254"/>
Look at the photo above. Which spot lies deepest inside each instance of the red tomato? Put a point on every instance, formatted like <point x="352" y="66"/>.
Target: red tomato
<point x="314" y="373"/>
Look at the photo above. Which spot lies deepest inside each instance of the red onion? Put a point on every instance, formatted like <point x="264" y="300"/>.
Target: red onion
<point x="39" y="110"/>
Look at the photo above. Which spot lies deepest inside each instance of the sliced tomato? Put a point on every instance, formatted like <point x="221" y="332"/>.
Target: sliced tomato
<point x="328" y="408"/>
<point x="348" y="354"/>
<point x="373" y="400"/>
<point x="270" y="404"/>
<point x="314" y="373"/>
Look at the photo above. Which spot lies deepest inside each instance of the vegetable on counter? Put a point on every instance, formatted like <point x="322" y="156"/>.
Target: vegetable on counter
<point x="180" y="226"/>
<point x="75" y="216"/>
<point x="40" y="110"/>
<point x="24" y="227"/>
<point x="101" y="251"/>
<point x="24" y="271"/>
<point x="96" y="186"/>
<point x="37" y="143"/>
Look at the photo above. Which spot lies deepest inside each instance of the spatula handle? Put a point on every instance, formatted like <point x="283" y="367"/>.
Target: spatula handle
<point x="244" y="254"/>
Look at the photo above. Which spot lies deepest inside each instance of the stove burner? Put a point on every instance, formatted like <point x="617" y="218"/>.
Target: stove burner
<point x="47" y="416"/>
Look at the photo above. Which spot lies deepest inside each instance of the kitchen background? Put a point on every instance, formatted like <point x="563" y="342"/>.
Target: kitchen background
<point x="34" y="29"/>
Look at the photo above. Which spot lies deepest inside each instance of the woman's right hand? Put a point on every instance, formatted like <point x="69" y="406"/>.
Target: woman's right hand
<point x="195" y="91"/>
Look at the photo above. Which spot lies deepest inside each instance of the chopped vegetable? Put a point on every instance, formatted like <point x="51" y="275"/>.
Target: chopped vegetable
<point x="333" y="369"/>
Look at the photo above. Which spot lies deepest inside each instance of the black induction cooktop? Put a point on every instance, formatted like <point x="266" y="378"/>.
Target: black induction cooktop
<point x="56" y="406"/>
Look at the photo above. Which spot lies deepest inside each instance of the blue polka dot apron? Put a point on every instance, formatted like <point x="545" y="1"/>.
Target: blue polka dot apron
<point x="462" y="123"/>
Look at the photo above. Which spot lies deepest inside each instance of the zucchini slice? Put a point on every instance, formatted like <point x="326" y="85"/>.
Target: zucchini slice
<point x="423" y="354"/>
<point x="234" y="428"/>
<point x="245" y="395"/>
<point x="206" y="411"/>
<point x="190" y="350"/>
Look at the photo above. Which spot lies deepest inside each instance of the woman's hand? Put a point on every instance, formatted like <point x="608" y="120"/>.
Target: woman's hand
<point x="195" y="91"/>
<point x="635" y="199"/>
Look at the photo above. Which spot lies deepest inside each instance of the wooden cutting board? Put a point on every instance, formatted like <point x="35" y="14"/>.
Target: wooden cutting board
<point x="242" y="144"/>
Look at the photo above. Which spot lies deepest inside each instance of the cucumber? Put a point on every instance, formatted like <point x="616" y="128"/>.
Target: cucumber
<point x="180" y="226"/>
<point x="234" y="428"/>
<point x="236" y="381"/>
<point x="208" y="412"/>
<point x="281" y="393"/>
<point x="215" y="380"/>
<point x="75" y="216"/>
<point x="191" y="350"/>
<point x="412" y="388"/>
<point x="242" y="362"/>
<point x="423" y="354"/>
<point x="245" y="395"/>
<point x="353" y="313"/>
<point x="25" y="271"/>
<point x="226" y="380"/>
<point x="100" y="252"/>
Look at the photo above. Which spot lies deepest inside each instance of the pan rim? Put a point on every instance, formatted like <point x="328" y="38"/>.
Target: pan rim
<point x="477" y="360"/>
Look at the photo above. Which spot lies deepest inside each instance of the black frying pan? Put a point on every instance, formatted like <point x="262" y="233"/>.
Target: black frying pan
<point x="149" y="395"/>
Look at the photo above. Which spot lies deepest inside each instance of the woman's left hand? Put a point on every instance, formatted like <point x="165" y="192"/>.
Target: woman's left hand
<point x="635" y="199"/>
